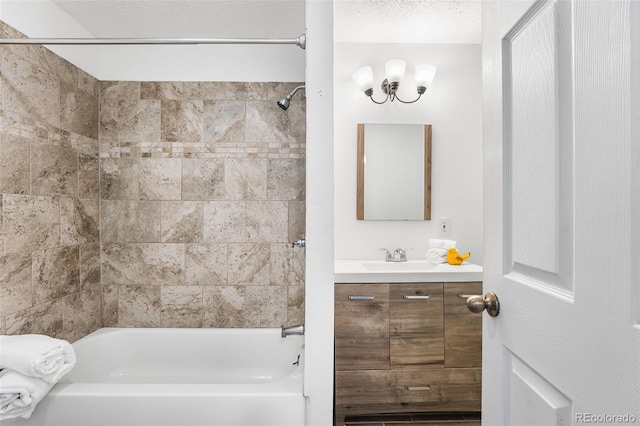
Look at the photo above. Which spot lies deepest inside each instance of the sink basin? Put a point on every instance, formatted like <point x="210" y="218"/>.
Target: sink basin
<point x="409" y="266"/>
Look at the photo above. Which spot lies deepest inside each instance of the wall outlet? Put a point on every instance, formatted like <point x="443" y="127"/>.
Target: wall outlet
<point x="444" y="226"/>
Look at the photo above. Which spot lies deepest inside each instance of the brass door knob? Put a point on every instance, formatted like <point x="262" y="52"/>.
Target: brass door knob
<point x="490" y="302"/>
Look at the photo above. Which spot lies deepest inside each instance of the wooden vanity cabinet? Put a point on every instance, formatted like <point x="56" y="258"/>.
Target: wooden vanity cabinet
<point x="406" y="348"/>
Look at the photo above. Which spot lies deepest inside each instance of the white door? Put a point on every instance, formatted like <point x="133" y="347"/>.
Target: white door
<point x="562" y="212"/>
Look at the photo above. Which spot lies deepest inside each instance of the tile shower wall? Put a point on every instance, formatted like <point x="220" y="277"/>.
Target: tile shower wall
<point x="49" y="181"/>
<point x="202" y="189"/>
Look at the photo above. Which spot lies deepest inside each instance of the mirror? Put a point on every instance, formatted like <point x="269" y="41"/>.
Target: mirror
<point x="394" y="172"/>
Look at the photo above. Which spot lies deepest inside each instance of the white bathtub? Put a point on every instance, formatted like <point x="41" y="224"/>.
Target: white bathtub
<point x="179" y="377"/>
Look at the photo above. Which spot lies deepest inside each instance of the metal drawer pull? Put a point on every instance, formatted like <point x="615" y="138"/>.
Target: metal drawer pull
<point x="418" y="388"/>
<point x="361" y="297"/>
<point x="465" y="296"/>
<point x="414" y="297"/>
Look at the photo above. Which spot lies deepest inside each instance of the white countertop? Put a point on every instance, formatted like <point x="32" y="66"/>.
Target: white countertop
<point x="413" y="270"/>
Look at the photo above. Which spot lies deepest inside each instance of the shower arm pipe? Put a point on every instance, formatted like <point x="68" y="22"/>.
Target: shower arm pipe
<point x="300" y="41"/>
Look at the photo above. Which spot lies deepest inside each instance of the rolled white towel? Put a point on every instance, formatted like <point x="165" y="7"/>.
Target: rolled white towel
<point x="442" y="244"/>
<point x="19" y="394"/>
<point x="436" y="255"/>
<point x="37" y="355"/>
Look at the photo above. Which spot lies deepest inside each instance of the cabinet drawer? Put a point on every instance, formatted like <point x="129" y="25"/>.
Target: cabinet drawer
<point x="361" y="326"/>
<point x="416" y="325"/>
<point x="462" y="328"/>
<point x="392" y="391"/>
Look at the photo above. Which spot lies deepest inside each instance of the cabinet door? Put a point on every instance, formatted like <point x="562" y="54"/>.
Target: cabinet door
<point x="361" y="326"/>
<point x="462" y="328"/>
<point x="416" y="325"/>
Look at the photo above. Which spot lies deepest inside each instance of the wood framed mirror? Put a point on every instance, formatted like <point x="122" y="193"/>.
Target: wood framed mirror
<point x="394" y="172"/>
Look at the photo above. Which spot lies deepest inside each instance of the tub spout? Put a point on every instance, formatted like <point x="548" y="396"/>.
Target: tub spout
<point x="293" y="329"/>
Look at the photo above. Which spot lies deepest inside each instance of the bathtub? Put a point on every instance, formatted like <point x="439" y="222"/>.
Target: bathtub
<point x="179" y="377"/>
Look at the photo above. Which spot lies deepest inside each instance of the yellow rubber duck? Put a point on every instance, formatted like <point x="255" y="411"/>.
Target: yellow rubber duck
<point x="455" y="258"/>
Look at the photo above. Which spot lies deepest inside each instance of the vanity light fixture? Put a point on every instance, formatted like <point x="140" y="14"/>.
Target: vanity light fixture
<point x="394" y="70"/>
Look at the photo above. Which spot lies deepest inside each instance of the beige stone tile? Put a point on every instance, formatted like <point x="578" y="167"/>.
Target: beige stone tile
<point x="249" y="264"/>
<point x="108" y="124"/>
<point x="278" y="90"/>
<point x="295" y="305"/>
<point x="163" y="90"/>
<point x="139" y="306"/>
<point x="266" y="123"/>
<point x="3" y="325"/>
<point x="88" y="176"/>
<point x="234" y="91"/>
<point x="79" y="221"/>
<point x="15" y="177"/>
<point x="286" y="179"/>
<point x="138" y="121"/>
<point x="16" y="291"/>
<point x="163" y="264"/>
<point x="30" y="91"/>
<point x="182" y="121"/>
<point x="7" y="31"/>
<point x="109" y="305"/>
<point x="297" y="220"/>
<point x="160" y="178"/>
<point x="81" y="314"/>
<point x="182" y="221"/>
<point x="130" y="221"/>
<point x="56" y="273"/>
<point x="79" y="111"/>
<point x="40" y="319"/>
<point x="121" y="264"/>
<point x="127" y="91"/>
<point x="266" y="306"/>
<point x="120" y="178"/>
<point x="203" y="179"/>
<point x="90" y="266"/>
<point x="54" y="171"/>
<point x="88" y="83"/>
<point x="206" y="264"/>
<point x="225" y="221"/>
<point x="267" y="221"/>
<point x="297" y="114"/>
<point x="224" y="122"/>
<point x="287" y="265"/>
<point x="245" y="178"/>
<point x="181" y="306"/>
<point x="30" y="223"/>
<point x="224" y="306"/>
<point x="53" y="65"/>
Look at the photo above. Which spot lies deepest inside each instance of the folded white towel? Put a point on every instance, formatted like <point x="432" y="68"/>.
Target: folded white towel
<point x="37" y="355"/>
<point x="436" y="255"/>
<point x="20" y="394"/>
<point x="442" y="244"/>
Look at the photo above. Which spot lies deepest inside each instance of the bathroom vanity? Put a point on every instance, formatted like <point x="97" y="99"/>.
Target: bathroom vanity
<point x="405" y="341"/>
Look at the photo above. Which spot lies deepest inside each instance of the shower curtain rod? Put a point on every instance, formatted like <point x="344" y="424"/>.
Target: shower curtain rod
<point x="300" y="41"/>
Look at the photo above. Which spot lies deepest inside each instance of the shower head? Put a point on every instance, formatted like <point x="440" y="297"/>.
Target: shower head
<point x="286" y="101"/>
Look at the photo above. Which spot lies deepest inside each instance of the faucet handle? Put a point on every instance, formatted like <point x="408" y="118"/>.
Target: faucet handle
<point x="388" y="256"/>
<point x="402" y="253"/>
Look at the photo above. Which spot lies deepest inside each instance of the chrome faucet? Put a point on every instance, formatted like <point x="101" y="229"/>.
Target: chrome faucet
<point x="293" y="330"/>
<point x="399" y="255"/>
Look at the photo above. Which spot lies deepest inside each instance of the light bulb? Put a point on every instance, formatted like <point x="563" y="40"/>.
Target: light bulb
<point x="363" y="78"/>
<point x="394" y="69"/>
<point x="424" y="75"/>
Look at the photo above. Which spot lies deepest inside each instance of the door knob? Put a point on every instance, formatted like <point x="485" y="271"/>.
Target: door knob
<point x="490" y="302"/>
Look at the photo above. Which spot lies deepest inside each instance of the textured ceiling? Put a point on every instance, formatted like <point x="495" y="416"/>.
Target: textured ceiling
<point x="408" y="21"/>
<point x="382" y="21"/>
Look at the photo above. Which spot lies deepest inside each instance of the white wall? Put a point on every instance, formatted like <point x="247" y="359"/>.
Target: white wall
<point x="453" y="106"/>
<point x="43" y="19"/>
